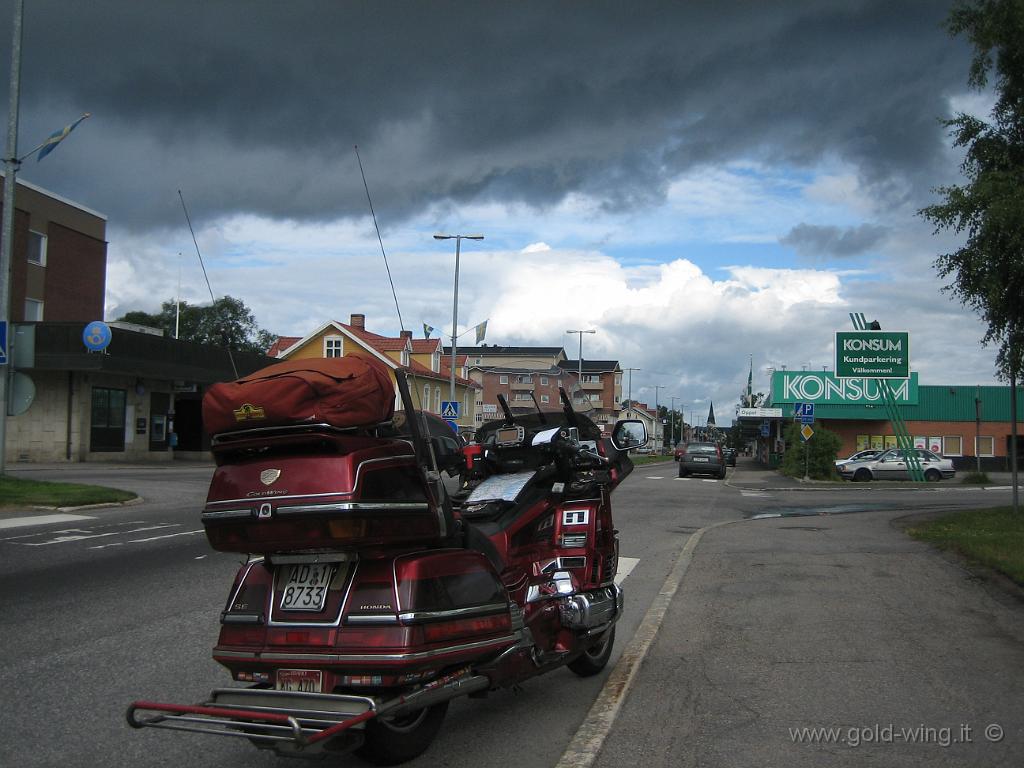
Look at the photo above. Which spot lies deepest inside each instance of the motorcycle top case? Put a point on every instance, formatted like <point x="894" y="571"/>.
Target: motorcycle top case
<point x="366" y="492"/>
<point x="342" y="392"/>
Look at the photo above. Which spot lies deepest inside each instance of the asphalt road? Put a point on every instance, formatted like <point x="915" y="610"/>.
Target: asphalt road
<point x="124" y="605"/>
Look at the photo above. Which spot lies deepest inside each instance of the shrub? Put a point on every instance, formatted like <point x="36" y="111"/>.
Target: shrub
<point x="820" y="452"/>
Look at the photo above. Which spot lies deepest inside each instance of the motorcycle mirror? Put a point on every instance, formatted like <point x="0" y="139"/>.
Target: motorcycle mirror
<point x="629" y="433"/>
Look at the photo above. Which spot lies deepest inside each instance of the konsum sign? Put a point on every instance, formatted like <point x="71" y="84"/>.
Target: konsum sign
<point x="872" y="354"/>
<point x="825" y="388"/>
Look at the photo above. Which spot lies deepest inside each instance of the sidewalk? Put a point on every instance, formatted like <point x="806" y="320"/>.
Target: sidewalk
<point x="845" y="624"/>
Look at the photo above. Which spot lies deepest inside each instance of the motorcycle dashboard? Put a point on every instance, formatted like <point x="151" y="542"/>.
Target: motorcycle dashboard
<point x="507" y="437"/>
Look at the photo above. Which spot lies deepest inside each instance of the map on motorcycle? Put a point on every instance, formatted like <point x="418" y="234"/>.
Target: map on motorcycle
<point x="500" y="487"/>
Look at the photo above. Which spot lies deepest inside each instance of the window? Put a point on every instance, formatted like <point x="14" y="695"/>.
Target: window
<point x="435" y="361"/>
<point x="545" y="399"/>
<point x="543" y="381"/>
<point x="522" y="396"/>
<point x="591" y="379"/>
<point x="425" y="402"/>
<point x="503" y="379"/>
<point x="952" y="445"/>
<point x="437" y="399"/>
<point x="985" y="446"/>
<point x="524" y="379"/>
<point x="36" y="248"/>
<point x="33" y="311"/>
<point x="334" y="346"/>
<point x="405" y="357"/>
<point x="106" y="424"/>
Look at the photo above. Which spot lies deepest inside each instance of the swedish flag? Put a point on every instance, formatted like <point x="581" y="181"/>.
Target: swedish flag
<point x="57" y="137"/>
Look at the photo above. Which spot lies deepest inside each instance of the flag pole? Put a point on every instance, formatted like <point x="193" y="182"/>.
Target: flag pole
<point x="11" y="163"/>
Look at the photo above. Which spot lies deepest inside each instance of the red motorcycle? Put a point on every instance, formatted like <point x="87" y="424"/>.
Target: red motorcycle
<point x="392" y="569"/>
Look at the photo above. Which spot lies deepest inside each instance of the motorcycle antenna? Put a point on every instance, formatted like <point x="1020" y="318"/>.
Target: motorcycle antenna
<point x="509" y="419"/>
<point x="540" y="413"/>
<point x="567" y="408"/>
<point x="208" y="286"/>
<point x="379" y="239"/>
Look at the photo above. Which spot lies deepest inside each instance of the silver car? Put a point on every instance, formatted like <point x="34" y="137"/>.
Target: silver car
<point x="893" y="465"/>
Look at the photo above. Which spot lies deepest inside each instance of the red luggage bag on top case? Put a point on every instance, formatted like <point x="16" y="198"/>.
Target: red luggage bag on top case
<point x="348" y="391"/>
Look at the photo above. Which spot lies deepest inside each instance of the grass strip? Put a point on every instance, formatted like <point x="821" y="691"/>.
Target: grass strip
<point x="15" y="492"/>
<point x="991" y="537"/>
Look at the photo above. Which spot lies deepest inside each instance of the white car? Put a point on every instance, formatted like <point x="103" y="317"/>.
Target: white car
<point x="893" y="465"/>
<point x="858" y="456"/>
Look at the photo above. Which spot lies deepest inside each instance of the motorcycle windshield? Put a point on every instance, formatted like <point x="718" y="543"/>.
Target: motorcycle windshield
<point x="550" y="414"/>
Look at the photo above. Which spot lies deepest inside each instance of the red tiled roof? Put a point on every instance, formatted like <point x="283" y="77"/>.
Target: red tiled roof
<point x="425" y="346"/>
<point x="418" y="369"/>
<point x="282" y="343"/>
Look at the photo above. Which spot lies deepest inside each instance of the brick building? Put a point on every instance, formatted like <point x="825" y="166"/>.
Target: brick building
<point x="525" y="375"/>
<point x="58" y="258"/>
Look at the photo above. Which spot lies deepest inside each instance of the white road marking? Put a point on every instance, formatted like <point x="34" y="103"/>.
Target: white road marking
<point x="20" y="522"/>
<point x="84" y="534"/>
<point x="626" y="566"/>
<point x="755" y="494"/>
<point x="166" y="536"/>
<point x="655" y="477"/>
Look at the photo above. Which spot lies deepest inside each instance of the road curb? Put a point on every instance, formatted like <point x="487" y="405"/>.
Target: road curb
<point x="589" y="738"/>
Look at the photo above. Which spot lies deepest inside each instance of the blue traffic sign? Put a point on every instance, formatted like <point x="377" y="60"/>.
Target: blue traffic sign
<point x="449" y="409"/>
<point x="96" y="336"/>
<point x="3" y="342"/>
<point x="453" y="425"/>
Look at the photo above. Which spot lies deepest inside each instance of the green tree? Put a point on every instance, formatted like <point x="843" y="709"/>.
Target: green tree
<point x="987" y="272"/>
<point x="819" y="453"/>
<point x="227" y="322"/>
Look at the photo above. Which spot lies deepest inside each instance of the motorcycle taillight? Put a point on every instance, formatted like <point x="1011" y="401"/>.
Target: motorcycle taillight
<point x="240" y="635"/>
<point x="450" y="630"/>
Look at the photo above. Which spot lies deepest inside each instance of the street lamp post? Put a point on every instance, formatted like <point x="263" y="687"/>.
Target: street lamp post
<point x="629" y="395"/>
<point x="580" y="373"/>
<point x="657" y="416"/>
<point x="672" y="429"/>
<point x="455" y="303"/>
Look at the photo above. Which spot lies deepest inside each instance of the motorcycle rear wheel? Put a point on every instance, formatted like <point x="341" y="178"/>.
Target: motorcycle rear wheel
<point x="394" y="740"/>
<point x="595" y="658"/>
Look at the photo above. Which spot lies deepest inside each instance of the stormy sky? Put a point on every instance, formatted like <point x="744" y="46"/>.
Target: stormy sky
<point x="701" y="182"/>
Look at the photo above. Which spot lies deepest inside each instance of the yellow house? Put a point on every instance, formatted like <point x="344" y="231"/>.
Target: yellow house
<point x="428" y="373"/>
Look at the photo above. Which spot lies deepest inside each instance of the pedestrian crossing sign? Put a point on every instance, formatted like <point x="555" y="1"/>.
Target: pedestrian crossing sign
<point x="449" y="409"/>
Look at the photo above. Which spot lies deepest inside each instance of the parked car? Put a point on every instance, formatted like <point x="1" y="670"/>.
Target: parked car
<point x="702" y="458"/>
<point x="858" y="456"/>
<point x="892" y="465"/>
<point x="730" y="456"/>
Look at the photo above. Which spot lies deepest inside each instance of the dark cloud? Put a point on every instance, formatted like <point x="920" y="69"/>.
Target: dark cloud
<point x="824" y="242"/>
<point x="255" y="106"/>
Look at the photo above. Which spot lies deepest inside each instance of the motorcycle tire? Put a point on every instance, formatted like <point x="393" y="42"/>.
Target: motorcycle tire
<point x="394" y="740"/>
<point x="595" y="658"/>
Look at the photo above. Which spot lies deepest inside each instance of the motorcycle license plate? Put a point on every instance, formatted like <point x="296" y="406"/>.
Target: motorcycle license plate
<point x="700" y="458"/>
<point x="304" y="680"/>
<point x="306" y="587"/>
